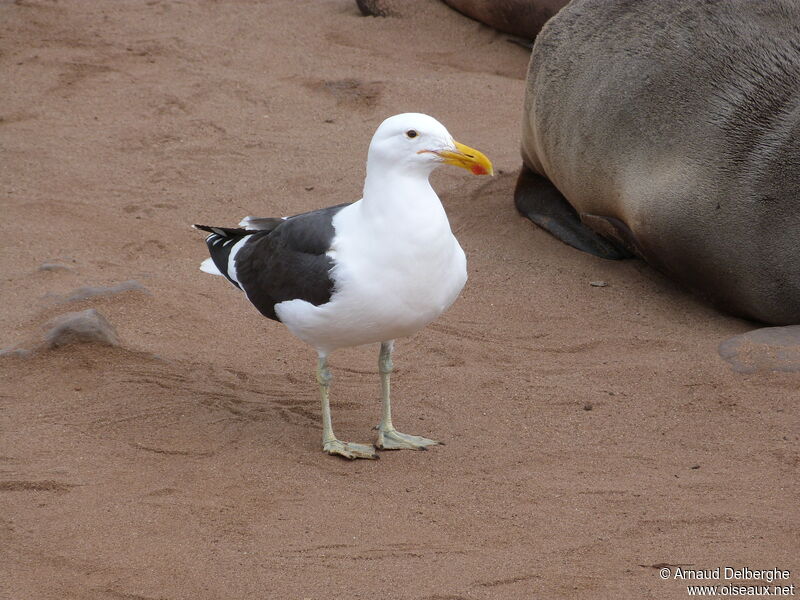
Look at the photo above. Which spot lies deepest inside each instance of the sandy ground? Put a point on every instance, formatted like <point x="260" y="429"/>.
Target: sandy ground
<point x="593" y="434"/>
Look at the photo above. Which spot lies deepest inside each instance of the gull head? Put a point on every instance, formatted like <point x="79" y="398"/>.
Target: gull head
<point x="417" y="143"/>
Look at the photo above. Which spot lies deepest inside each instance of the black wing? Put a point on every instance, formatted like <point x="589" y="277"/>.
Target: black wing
<point x="287" y="262"/>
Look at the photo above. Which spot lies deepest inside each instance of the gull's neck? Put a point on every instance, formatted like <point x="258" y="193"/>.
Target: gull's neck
<point x="400" y="193"/>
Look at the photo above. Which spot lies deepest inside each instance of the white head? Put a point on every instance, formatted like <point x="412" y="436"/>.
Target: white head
<point x="413" y="142"/>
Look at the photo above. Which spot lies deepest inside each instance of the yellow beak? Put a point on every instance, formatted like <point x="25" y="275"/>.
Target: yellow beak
<point x="467" y="158"/>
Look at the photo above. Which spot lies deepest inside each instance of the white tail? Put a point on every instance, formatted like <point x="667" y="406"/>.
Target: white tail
<point x="208" y="266"/>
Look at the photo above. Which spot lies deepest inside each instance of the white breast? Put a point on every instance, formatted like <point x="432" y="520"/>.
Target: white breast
<point x="392" y="277"/>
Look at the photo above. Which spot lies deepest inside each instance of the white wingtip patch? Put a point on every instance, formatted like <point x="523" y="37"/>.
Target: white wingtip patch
<point x="208" y="266"/>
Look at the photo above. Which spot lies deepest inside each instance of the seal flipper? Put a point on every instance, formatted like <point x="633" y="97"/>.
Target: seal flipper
<point x="539" y="200"/>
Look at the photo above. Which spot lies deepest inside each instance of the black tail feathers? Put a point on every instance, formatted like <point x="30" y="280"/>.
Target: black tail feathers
<point x="220" y="243"/>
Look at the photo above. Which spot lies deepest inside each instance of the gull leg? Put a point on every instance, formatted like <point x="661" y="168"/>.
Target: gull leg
<point x="330" y="444"/>
<point x="388" y="437"/>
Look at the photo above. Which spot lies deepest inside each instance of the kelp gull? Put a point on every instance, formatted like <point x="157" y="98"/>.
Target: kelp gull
<point x="371" y="271"/>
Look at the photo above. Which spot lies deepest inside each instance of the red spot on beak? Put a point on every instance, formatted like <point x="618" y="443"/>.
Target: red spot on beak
<point x="478" y="170"/>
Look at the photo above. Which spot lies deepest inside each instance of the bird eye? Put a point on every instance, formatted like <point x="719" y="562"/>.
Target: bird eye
<point x="411" y="133"/>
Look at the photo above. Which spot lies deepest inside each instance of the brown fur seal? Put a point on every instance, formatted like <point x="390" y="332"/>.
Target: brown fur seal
<point x="523" y="18"/>
<point x="672" y="129"/>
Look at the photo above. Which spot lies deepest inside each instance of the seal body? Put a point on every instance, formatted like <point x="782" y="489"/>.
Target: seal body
<point x="523" y="18"/>
<point x="672" y="130"/>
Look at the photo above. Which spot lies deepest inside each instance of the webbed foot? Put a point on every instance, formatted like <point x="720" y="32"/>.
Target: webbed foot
<point x="350" y="450"/>
<point x="391" y="439"/>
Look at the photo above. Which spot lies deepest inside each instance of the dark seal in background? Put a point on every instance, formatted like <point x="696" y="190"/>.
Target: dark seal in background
<point x="672" y="130"/>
